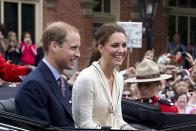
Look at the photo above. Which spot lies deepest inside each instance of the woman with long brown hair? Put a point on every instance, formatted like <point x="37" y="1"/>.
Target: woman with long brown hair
<point x="97" y="91"/>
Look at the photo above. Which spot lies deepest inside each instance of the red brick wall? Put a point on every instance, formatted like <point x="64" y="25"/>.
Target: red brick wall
<point x="160" y="32"/>
<point x="65" y="10"/>
<point x="86" y="35"/>
<point x="70" y="11"/>
<point x="158" y="37"/>
<point x="125" y="12"/>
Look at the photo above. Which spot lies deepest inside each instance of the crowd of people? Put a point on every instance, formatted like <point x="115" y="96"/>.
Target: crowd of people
<point x="92" y="97"/>
<point x="178" y="90"/>
<point x="23" y="53"/>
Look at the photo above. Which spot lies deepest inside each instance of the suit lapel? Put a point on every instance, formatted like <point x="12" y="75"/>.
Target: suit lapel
<point x="63" y="100"/>
<point x="55" y="87"/>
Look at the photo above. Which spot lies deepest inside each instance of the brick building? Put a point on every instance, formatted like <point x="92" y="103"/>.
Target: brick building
<point x="33" y="15"/>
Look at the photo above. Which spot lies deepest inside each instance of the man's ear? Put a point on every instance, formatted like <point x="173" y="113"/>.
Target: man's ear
<point x="54" y="46"/>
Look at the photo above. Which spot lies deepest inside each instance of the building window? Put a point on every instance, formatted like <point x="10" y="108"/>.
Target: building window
<point x="22" y="16"/>
<point x="28" y="19"/>
<point x="103" y="6"/>
<point x="192" y="30"/>
<point x="172" y="3"/>
<point x="105" y="11"/>
<point x="0" y="12"/>
<point x="172" y="26"/>
<point x="11" y="16"/>
<point x="193" y="4"/>
<point x="183" y="3"/>
<point x="185" y="26"/>
<point x="182" y="20"/>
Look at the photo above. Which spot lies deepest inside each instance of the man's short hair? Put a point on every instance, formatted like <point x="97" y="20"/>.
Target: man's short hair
<point x="56" y="31"/>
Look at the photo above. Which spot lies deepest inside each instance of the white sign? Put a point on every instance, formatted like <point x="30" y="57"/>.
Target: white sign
<point x="133" y="32"/>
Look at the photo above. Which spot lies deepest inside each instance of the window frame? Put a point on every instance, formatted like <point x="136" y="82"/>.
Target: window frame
<point x="114" y="15"/>
<point x="181" y="11"/>
<point x="38" y="16"/>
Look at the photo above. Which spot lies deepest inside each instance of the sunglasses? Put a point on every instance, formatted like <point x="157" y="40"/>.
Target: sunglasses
<point x="126" y="95"/>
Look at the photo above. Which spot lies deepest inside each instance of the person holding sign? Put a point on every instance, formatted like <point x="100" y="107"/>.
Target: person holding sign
<point x="97" y="91"/>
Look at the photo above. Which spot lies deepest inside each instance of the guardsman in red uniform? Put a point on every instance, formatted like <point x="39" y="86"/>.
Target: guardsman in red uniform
<point x="148" y="80"/>
<point x="164" y="105"/>
<point x="10" y="72"/>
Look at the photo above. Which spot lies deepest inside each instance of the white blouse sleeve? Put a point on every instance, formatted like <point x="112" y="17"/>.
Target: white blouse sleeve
<point x="121" y="123"/>
<point x="82" y="102"/>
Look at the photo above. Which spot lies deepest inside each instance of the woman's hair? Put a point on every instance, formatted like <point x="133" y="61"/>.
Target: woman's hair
<point x="180" y="94"/>
<point x="101" y="37"/>
<point x="149" y="54"/>
<point x="24" y="34"/>
<point x="3" y="30"/>
<point x="10" y="34"/>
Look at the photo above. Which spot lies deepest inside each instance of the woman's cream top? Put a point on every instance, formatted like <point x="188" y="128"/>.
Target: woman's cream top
<point x="93" y="105"/>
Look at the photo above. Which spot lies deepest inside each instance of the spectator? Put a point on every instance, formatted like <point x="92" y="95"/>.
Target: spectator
<point x="149" y="54"/>
<point x="175" y="46"/>
<point x="28" y="50"/>
<point x="72" y="79"/>
<point x="181" y="102"/>
<point x="10" y="72"/>
<point x="180" y="87"/>
<point x="191" y="107"/>
<point x="44" y="94"/>
<point x="193" y="77"/>
<point x="188" y="61"/>
<point x="127" y="93"/>
<point x="13" y="51"/>
<point x="129" y="72"/>
<point x="98" y="89"/>
<point x="170" y="94"/>
<point x="162" y="68"/>
<point x="3" y="40"/>
<point x="135" y="91"/>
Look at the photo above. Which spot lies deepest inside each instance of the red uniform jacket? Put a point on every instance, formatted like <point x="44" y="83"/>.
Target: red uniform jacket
<point x="165" y="106"/>
<point x="10" y="72"/>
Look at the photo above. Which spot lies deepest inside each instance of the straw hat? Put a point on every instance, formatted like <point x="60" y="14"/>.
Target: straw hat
<point x="147" y="71"/>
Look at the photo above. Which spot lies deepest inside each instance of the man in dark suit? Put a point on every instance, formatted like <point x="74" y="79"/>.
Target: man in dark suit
<point x="41" y="95"/>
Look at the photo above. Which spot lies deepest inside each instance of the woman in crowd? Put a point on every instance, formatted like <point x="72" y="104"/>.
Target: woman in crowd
<point x="181" y="102"/>
<point x="180" y="86"/>
<point x="28" y="50"/>
<point x="13" y="50"/>
<point x="127" y="93"/>
<point x="191" y="106"/>
<point x="149" y="54"/>
<point x="97" y="91"/>
<point x="3" y="40"/>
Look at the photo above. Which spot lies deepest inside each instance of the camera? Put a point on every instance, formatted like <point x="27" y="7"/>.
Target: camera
<point x="184" y="54"/>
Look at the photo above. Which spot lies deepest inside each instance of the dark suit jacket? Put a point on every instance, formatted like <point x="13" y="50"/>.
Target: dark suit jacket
<point x="39" y="96"/>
